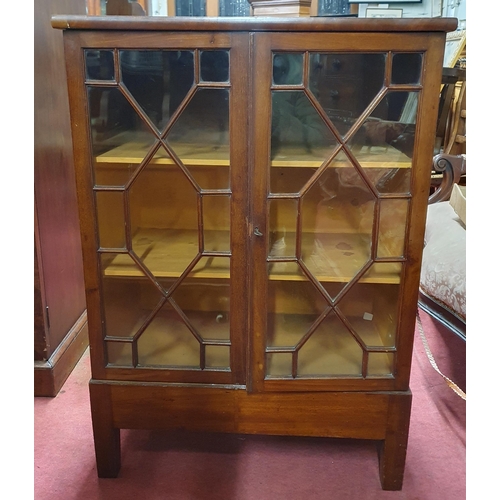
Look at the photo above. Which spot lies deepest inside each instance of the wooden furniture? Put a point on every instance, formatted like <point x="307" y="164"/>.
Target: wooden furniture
<point x="443" y="276"/>
<point x="249" y="267"/>
<point x="450" y="147"/>
<point x="453" y="80"/>
<point x="60" y="318"/>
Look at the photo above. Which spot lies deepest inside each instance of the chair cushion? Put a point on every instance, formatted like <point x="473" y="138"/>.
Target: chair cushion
<point x="443" y="260"/>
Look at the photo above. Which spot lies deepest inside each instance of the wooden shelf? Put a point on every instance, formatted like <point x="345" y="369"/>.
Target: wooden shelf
<point x="134" y="151"/>
<point x="334" y="257"/>
<point x="167" y="253"/>
<point x="330" y="257"/>
<point x="368" y="157"/>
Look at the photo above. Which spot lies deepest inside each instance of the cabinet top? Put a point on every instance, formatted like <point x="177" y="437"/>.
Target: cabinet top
<point x="319" y="24"/>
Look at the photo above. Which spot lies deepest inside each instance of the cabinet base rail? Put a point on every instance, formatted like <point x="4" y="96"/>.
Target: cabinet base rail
<point x="381" y="416"/>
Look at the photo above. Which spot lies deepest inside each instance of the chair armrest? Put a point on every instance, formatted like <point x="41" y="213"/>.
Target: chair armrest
<point x="452" y="167"/>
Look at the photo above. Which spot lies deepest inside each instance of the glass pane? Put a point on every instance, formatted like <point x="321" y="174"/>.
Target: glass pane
<point x="392" y="227"/>
<point x="110" y="219"/>
<point x="406" y="68"/>
<point x="332" y="288"/>
<point x="278" y="364"/>
<point x="216" y="356"/>
<point x="345" y="84"/>
<point x="216" y="223"/>
<point x="142" y="74"/>
<point x="163" y="208"/>
<point x="214" y="66"/>
<point x="391" y="180"/>
<point x="337" y="221"/>
<point x="330" y="351"/>
<point x="371" y="310"/>
<point x="99" y="65"/>
<point x="383" y="272"/>
<point x="380" y="364"/>
<point x="158" y="80"/>
<point x="119" y="141"/>
<point x="180" y="79"/>
<point x="128" y="296"/>
<point x="288" y="69"/>
<point x="167" y="341"/>
<point x="287" y="179"/>
<point x="119" y="353"/>
<point x="294" y="304"/>
<point x="282" y="227"/>
<point x="211" y="267"/>
<point x="300" y="138"/>
<point x="204" y="298"/>
<point x="200" y="137"/>
<point x="387" y="135"/>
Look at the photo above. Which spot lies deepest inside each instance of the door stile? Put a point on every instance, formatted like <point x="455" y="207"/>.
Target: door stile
<point x="239" y="131"/>
<point x="84" y="185"/>
<point x="260" y="154"/>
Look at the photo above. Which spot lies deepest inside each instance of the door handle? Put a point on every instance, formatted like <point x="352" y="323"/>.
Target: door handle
<point x="257" y="232"/>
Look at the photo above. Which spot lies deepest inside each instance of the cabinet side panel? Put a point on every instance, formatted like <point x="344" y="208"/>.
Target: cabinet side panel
<point x="39" y="306"/>
<point x="59" y="240"/>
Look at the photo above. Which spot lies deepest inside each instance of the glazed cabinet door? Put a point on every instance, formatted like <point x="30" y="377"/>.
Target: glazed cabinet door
<point x="343" y="143"/>
<point x="161" y="161"/>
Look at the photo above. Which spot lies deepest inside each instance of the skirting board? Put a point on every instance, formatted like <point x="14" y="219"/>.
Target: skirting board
<point x="50" y="375"/>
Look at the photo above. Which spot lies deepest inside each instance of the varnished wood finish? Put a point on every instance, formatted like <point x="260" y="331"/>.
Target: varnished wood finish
<point x="393" y="447"/>
<point x="328" y="414"/>
<point x="380" y="416"/>
<point x="239" y="131"/>
<point x="50" y="375"/>
<point x="242" y="399"/>
<point x="254" y="24"/>
<point x="59" y="286"/>
<point x="106" y="434"/>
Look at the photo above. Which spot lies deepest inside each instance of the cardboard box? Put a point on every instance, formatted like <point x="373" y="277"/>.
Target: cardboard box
<point x="457" y="201"/>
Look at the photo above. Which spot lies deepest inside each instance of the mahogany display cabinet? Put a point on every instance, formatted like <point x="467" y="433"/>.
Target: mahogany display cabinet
<point x="252" y="197"/>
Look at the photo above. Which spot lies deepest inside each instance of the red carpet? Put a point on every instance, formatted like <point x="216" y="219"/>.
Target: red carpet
<point x="182" y="466"/>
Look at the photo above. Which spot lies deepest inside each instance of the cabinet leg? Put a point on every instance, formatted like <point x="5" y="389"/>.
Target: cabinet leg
<point x="392" y="453"/>
<point x="106" y="437"/>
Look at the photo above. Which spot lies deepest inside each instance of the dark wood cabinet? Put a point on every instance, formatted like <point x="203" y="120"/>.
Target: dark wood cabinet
<point x="251" y="253"/>
<point x="60" y="318"/>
